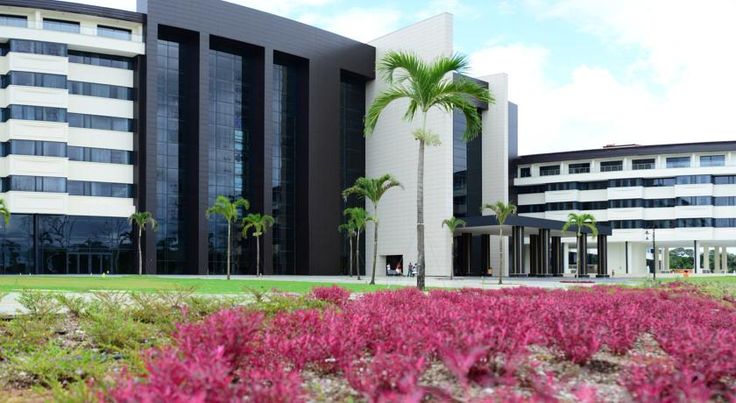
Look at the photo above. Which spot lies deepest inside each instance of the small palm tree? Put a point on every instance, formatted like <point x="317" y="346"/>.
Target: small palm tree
<point x="141" y="219"/>
<point x="349" y="229"/>
<point x="230" y="211"/>
<point x="359" y="217"/>
<point x="4" y="212"/>
<point x="372" y="189"/>
<point x="426" y="86"/>
<point x="260" y="223"/>
<point x="452" y="224"/>
<point x="502" y="211"/>
<point x="580" y="221"/>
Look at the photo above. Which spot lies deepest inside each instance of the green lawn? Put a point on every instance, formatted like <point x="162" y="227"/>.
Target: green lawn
<point x="158" y="283"/>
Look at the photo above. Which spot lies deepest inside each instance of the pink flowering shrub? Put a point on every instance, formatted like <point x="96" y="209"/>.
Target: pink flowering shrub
<point x="383" y="343"/>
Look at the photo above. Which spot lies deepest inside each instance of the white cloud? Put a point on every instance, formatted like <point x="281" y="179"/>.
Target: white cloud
<point x="362" y="24"/>
<point x="680" y="91"/>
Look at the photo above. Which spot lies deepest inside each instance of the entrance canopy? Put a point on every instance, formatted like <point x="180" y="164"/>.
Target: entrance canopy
<point x="487" y="224"/>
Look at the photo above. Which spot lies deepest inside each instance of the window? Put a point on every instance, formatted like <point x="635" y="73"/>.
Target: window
<point x="98" y="59"/>
<point x="532" y="208"/>
<point x="100" y="90"/>
<point x="27" y="112"/>
<point x="530" y="189"/>
<point x="693" y="179"/>
<point x="60" y="25"/>
<point x="626" y="182"/>
<point x="659" y="203"/>
<point x="647" y="163"/>
<point x="597" y="205"/>
<point x="13" y="20"/>
<point x="625" y="203"/>
<point x="712" y="160"/>
<point x="695" y="201"/>
<point x="34" y="79"/>
<point x="100" y="189"/>
<point x="678" y="162"/>
<point x="100" y="122"/>
<point x="100" y="155"/>
<point x="114" y="32"/>
<point x="597" y="185"/>
<point x="552" y="187"/>
<point x="581" y="168"/>
<point x="37" y="47"/>
<point x="656" y="182"/>
<point x="24" y="183"/>
<point x="724" y="180"/>
<point x="525" y="172"/>
<point x="31" y="147"/>
<point x="549" y="170"/>
<point x="724" y="201"/>
<point x="611" y="166"/>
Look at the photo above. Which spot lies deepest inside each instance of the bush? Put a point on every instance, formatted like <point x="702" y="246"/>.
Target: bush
<point x="335" y="295"/>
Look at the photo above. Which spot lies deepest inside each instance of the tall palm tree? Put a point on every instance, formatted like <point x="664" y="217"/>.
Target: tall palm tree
<point x="580" y="221"/>
<point x="502" y="211"/>
<point x="349" y="229"/>
<point x="230" y="211"/>
<point x="372" y="189"/>
<point x="452" y="224"/>
<point x="260" y="223"/>
<point x="141" y="219"/>
<point x="359" y="217"/>
<point x="4" y="212"/>
<point x="427" y="85"/>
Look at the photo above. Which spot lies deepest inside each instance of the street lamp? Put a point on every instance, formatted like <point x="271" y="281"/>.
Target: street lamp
<point x="654" y="250"/>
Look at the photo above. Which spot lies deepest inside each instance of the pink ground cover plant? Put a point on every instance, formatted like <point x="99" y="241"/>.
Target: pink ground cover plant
<point x="382" y="344"/>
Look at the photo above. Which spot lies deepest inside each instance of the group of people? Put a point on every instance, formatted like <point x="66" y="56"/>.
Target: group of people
<point x="399" y="270"/>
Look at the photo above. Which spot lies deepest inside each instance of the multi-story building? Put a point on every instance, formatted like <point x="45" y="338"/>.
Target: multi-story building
<point x="663" y="196"/>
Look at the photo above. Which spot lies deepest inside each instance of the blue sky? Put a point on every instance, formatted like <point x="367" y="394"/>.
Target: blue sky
<point x="585" y="73"/>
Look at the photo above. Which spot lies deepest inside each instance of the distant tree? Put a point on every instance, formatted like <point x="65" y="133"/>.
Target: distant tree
<point x="452" y="224"/>
<point x="372" y="189"/>
<point x="502" y="211"/>
<point x="259" y="223"/>
<point x="359" y="217"/>
<point x="230" y="211"/>
<point x="440" y="85"/>
<point x="4" y="212"/>
<point x="349" y="229"/>
<point x="580" y="221"/>
<point x="141" y="219"/>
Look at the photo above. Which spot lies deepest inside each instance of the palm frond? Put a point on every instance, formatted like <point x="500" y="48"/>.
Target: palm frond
<point x="393" y="62"/>
<point x="443" y="65"/>
<point x="380" y="103"/>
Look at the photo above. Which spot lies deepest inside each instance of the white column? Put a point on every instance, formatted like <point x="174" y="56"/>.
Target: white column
<point x="666" y="259"/>
<point x="565" y="258"/>
<point x="696" y="257"/>
<point x="655" y="257"/>
<point x="706" y="258"/>
<point x="724" y="259"/>
<point x="717" y="259"/>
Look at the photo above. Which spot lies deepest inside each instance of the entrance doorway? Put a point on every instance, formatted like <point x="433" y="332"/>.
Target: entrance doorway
<point x="395" y="265"/>
<point x="88" y="263"/>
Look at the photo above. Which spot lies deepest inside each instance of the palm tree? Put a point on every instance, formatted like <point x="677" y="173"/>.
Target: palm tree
<point x="141" y="219"/>
<point x="349" y="229"/>
<point x="502" y="211"/>
<point x="230" y="211"/>
<point x="452" y="224"/>
<point x="580" y="221"/>
<point x="4" y="212"/>
<point x="427" y="85"/>
<point x="372" y="189"/>
<point x="359" y="217"/>
<point x="260" y="224"/>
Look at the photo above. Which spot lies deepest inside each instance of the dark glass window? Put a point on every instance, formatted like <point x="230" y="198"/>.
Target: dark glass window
<point x="678" y="162"/>
<point x="611" y="166"/>
<point x="596" y="205"/>
<point x="50" y="184"/>
<point x="657" y="182"/>
<point x="60" y="25"/>
<point x="37" y="47"/>
<point x="549" y="170"/>
<point x="712" y="160"/>
<point x="724" y="201"/>
<point x="625" y="203"/>
<point x="597" y="185"/>
<point x="34" y="184"/>
<point x="695" y="201"/>
<point x="625" y="182"/>
<point x="563" y="206"/>
<point x="724" y="179"/>
<point x="659" y="203"/>
<point x="27" y="112"/>
<point x="98" y="59"/>
<point x="99" y="189"/>
<point x="53" y="149"/>
<point x="647" y="163"/>
<point x="532" y="208"/>
<point x="34" y="79"/>
<point x="114" y="32"/>
<point x="283" y="172"/>
<point x="525" y="172"/>
<point x="693" y="179"/>
<point x="551" y="187"/>
<point x="13" y="20"/>
<point x="725" y="222"/>
<point x="531" y="189"/>
<point x="100" y="90"/>
<point x="100" y="122"/>
<point x="581" y="168"/>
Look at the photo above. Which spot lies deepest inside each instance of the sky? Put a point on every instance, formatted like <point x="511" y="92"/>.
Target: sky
<point x="585" y="73"/>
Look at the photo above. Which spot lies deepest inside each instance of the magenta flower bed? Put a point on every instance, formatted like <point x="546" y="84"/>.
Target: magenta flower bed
<point x="385" y="344"/>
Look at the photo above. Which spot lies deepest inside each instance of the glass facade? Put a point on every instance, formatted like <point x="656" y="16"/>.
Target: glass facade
<point x="98" y="122"/>
<point x="283" y="173"/>
<point x="46" y="244"/>
<point x="97" y="59"/>
<point x="352" y="149"/>
<point x="170" y="162"/>
<point x="33" y="79"/>
<point x="100" y="90"/>
<point x="228" y="155"/>
<point x="114" y="32"/>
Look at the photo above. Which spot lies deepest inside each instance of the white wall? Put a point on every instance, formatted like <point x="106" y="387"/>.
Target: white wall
<point x="392" y="149"/>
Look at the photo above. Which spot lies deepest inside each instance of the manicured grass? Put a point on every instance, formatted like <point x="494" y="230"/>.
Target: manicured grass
<point x="160" y="283"/>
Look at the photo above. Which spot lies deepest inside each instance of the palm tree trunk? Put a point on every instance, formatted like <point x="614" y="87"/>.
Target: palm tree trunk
<point x="228" y="251"/>
<point x="140" y="251"/>
<point x="500" y="250"/>
<point x="258" y="256"/>
<point x="420" y="207"/>
<point x="357" y="254"/>
<point x="579" y="272"/>
<point x="375" y="244"/>
<point x="452" y="255"/>
<point x="350" y="263"/>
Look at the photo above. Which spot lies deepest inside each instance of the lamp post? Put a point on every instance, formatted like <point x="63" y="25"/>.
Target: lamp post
<point x="654" y="250"/>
